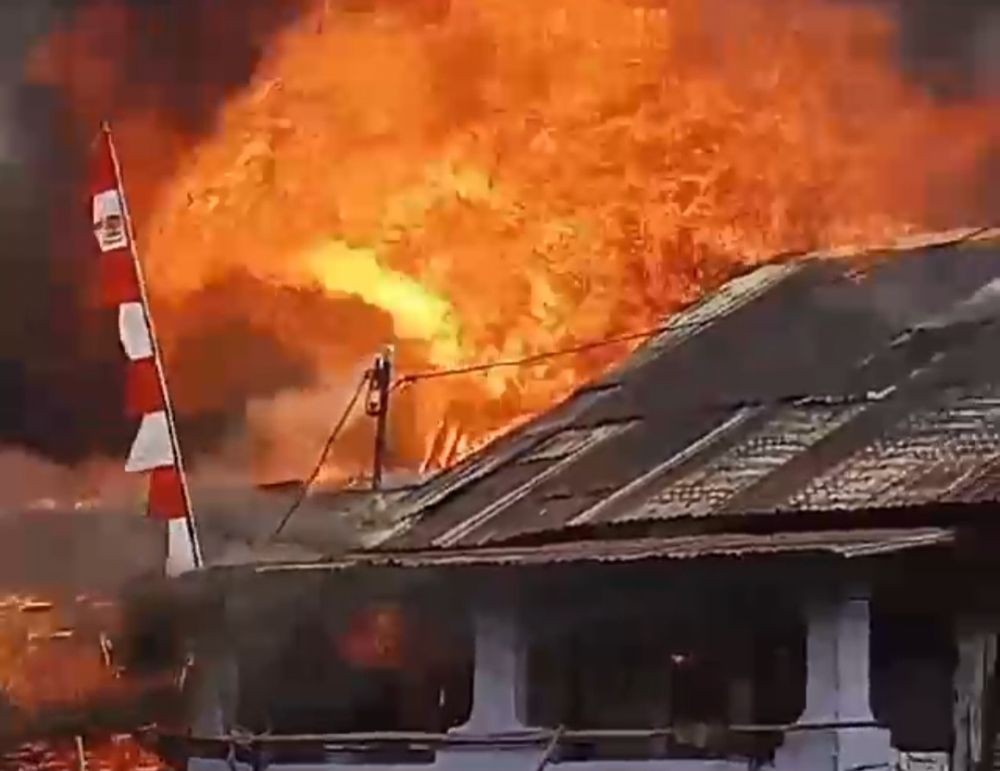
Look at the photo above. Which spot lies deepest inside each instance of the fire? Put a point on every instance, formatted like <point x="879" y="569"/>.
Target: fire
<point x="417" y="312"/>
<point x="44" y="661"/>
<point x="51" y="660"/>
<point x="119" y="753"/>
<point x="507" y="177"/>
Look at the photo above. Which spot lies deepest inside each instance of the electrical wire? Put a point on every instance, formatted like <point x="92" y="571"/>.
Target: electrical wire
<point x="536" y="358"/>
<point x="432" y="374"/>
<point x="341" y="422"/>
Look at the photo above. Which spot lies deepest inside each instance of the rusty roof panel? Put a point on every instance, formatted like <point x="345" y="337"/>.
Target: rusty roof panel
<point x="980" y="486"/>
<point x="924" y="458"/>
<point x="561" y="497"/>
<point x="848" y="544"/>
<point x="789" y="431"/>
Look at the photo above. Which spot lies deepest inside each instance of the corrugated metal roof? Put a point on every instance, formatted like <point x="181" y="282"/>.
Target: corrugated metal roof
<point x="806" y="386"/>
<point x="684" y="325"/>
<point x="556" y="454"/>
<point x="845" y="544"/>
<point x="927" y="456"/>
<point x="786" y="433"/>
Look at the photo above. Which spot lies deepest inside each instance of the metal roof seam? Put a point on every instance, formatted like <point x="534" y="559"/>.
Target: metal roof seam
<point x="470" y="524"/>
<point x="643" y="481"/>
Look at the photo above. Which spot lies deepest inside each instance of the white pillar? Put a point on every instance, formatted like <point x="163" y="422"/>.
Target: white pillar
<point x="853" y="675"/>
<point x="497" y="686"/>
<point x="837" y="660"/>
<point x="821" y="664"/>
<point x="498" y="690"/>
<point x="838" y="692"/>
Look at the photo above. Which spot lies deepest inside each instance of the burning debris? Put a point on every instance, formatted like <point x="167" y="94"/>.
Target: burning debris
<point x="118" y="753"/>
<point x="76" y="675"/>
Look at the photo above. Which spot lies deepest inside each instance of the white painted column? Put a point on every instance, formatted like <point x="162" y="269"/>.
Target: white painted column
<point x="838" y="691"/>
<point x="498" y="675"/>
<point x="838" y="680"/>
<point x="853" y="674"/>
<point x="821" y="664"/>
<point x="498" y="691"/>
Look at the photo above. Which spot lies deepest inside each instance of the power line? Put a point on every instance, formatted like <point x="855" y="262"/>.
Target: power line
<point x="536" y="358"/>
<point x="431" y="374"/>
<point x="341" y="422"/>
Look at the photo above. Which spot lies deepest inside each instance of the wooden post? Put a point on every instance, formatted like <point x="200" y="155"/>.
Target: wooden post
<point x="378" y="408"/>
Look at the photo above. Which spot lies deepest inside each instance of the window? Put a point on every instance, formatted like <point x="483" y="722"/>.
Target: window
<point x="636" y="668"/>
<point x="379" y="666"/>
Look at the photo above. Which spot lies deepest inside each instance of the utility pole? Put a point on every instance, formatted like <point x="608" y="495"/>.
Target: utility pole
<point x="377" y="406"/>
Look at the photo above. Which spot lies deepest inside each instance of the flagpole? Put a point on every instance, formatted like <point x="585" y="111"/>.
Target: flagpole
<point x="157" y="359"/>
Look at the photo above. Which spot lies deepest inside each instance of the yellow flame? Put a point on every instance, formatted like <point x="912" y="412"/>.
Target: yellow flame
<point x="417" y="312"/>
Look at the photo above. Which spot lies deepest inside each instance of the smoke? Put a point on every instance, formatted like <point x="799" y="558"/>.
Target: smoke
<point x="75" y="526"/>
<point x="986" y="45"/>
<point x="28" y="482"/>
<point x="160" y="71"/>
<point x="952" y="47"/>
<point x="82" y="527"/>
<point x="287" y="433"/>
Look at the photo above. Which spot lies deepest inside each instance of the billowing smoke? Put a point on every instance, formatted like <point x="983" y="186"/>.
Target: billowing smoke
<point x="141" y="64"/>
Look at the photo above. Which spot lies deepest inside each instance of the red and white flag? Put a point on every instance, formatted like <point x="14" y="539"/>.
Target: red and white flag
<point x="155" y="449"/>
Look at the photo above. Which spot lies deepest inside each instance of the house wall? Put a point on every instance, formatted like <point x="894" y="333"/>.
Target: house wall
<point x="836" y="731"/>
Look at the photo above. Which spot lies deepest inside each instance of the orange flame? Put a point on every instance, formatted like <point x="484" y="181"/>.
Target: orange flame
<point x="118" y="753"/>
<point x="506" y="177"/>
<point x="44" y="660"/>
<point x="50" y="660"/>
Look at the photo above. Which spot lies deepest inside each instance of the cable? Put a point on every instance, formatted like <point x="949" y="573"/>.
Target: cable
<point x="322" y="456"/>
<point x="535" y="358"/>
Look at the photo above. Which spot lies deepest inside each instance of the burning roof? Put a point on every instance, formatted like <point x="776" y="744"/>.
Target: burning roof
<point x="815" y="385"/>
